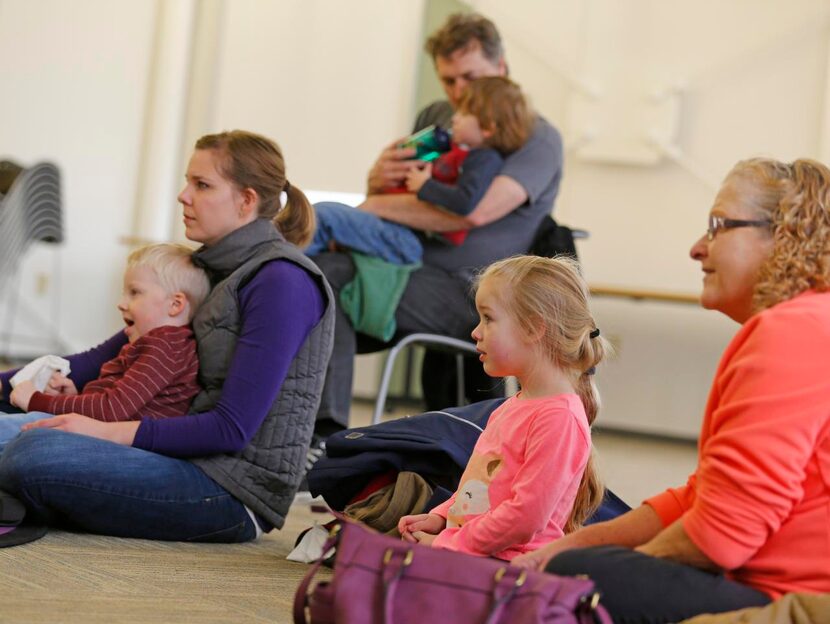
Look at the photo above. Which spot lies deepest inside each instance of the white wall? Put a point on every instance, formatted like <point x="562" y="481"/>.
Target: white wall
<point x="753" y="76"/>
<point x="72" y="91"/>
<point x="333" y="82"/>
<point x="310" y="73"/>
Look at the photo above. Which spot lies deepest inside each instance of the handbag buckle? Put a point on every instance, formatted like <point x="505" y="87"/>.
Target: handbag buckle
<point x="387" y="557"/>
<point x="520" y="580"/>
<point x="590" y="601"/>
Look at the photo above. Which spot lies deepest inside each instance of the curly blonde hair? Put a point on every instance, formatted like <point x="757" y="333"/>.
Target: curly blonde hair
<point x="795" y="197"/>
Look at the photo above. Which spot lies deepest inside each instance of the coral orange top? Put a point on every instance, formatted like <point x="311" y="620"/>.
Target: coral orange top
<point x="758" y="504"/>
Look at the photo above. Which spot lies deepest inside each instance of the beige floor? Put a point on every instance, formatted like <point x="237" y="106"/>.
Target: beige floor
<point x="80" y="578"/>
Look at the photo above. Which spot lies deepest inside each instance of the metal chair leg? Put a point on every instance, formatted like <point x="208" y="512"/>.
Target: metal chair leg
<point x="431" y="339"/>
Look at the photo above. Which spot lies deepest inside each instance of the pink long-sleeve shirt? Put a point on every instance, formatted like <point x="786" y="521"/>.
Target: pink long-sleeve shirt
<point x="758" y="504"/>
<point x="518" y="489"/>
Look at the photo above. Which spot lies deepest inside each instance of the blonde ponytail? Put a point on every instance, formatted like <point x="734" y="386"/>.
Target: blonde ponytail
<point x="588" y="497"/>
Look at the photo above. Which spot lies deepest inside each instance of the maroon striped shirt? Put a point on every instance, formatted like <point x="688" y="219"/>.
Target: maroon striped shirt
<point x="155" y="376"/>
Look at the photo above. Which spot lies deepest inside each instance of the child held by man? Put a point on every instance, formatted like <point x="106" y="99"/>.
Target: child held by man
<point x="155" y="374"/>
<point x="493" y="120"/>
<point x="530" y="478"/>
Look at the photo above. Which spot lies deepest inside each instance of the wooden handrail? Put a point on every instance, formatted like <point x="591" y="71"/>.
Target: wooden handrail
<point x="598" y="290"/>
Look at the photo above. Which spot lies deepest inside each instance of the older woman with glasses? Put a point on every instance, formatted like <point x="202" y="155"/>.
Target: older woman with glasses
<point x="753" y="521"/>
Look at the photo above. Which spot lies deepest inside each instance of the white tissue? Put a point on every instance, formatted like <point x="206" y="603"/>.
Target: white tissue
<point x="39" y="371"/>
<point x="310" y="547"/>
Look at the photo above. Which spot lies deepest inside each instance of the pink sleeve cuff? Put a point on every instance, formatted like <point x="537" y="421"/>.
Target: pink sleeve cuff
<point x="442" y="509"/>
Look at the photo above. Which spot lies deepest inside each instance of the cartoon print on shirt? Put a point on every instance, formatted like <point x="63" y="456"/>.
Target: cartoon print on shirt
<point x="473" y="497"/>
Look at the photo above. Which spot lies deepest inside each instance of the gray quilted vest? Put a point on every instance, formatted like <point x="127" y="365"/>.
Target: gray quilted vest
<point x="266" y="473"/>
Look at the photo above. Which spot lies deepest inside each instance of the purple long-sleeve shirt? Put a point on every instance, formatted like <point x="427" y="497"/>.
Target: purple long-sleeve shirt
<point x="279" y="307"/>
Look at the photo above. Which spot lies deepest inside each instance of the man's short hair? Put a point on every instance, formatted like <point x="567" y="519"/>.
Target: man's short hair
<point x="462" y="31"/>
<point x="173" y="265"/>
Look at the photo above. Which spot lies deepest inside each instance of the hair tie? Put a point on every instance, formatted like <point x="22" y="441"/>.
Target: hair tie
<point x="286" y="186"/>
<point x="591" y="371"/>
<point x="595" y="333"/>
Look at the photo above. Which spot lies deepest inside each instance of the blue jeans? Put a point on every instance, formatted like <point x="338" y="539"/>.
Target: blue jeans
<point x="10" y="423"/>
<point x="365" y="233"/>
<point x="96" y="486"/>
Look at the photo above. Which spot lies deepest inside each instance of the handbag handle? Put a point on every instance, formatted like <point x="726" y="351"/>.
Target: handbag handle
<point x="301" y="595"/>
<point x="504" y="581"/>
<point x="391" y="572"/>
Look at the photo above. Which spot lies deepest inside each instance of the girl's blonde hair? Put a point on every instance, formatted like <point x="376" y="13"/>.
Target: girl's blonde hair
<point x="549" y="294"/>
<point x="499" y="106"/>
<point x="253" y="161"/>
<point x="795" y="197"/>
<point x="172" y="263"/>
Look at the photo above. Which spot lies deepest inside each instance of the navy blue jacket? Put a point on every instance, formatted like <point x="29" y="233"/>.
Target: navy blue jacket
<point x="436" y="445"/>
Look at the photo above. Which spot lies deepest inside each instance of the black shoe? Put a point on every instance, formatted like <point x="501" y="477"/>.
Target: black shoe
<point x="15" y="529"/>
<point x="12" y="510"/>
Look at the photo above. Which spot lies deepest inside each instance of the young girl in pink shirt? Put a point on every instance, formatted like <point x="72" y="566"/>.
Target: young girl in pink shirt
<point x="530" y="478"/>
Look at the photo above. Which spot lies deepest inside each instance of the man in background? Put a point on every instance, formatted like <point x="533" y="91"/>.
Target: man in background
<point x="437" y="297"/>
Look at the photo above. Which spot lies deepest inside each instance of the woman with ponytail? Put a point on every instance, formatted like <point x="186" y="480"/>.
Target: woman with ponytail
<point x="228" y="470"/>
<point x="530" y="478"/>
<point x="753" y="521"/>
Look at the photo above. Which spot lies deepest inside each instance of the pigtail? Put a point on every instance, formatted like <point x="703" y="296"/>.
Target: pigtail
<point x="296" y="220"/>
<point x="591" y="489"/>
<point x="588" y="497"/>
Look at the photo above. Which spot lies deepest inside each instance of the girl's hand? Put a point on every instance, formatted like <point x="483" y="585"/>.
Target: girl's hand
<point x="424" y="538"/>
<point x="60" y="384"/>
<point x="431" y="524"/>
<point x="416" y="177"/>
<point x="22" y="394"/>
<point x="118" y="432"/>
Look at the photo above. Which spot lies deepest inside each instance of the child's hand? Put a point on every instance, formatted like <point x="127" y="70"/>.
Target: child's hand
<point x="431" y="524"/>
<point x="415" y="179"/>
<point x="60" y="384"/>
<point x="22" y="394"/>
<point x="424" y="538"/>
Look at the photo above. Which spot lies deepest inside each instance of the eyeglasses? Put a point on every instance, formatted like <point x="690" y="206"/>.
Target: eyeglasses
<point x="716" y="224"/>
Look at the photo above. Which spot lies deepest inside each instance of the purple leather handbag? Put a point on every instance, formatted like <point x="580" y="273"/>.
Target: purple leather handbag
<point x="382" y="580"/>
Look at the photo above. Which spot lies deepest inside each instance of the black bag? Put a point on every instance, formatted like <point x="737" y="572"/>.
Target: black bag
<point x="552" y="240"/>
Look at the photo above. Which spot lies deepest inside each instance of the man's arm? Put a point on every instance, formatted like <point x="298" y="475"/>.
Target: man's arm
<point x="502" y="197"/>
